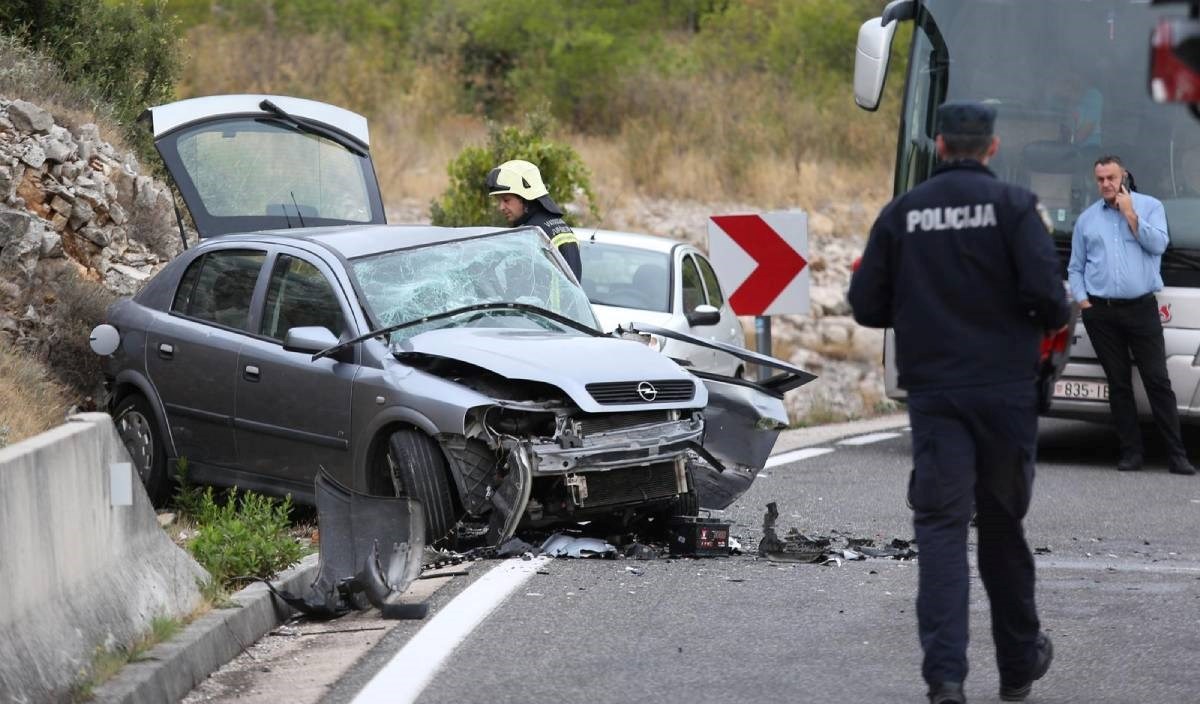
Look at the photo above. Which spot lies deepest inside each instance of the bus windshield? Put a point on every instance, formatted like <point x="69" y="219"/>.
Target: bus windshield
<point x="1068" y="79"/>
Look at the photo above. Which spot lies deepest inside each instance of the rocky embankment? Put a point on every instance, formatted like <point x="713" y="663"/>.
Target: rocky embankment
<point x="73" y="207"/>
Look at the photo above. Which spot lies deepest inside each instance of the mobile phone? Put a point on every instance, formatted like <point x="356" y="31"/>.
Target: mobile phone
<point x="1125" y="183"/>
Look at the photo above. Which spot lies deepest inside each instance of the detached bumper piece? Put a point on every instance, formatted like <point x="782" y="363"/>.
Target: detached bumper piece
<point x="371" y="550"/>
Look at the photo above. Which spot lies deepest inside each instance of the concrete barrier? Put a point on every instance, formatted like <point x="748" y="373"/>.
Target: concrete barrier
<point x="76" y="572"/>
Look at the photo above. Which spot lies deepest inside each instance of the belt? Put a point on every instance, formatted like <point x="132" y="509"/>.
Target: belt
<point x="1097" y="300"/>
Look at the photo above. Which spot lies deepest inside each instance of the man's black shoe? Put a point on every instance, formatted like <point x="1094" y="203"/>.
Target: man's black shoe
<point x="1130" y="464"/>
<point x="947" y="693"/>
<point x="1180" y="465"/>
<point x="1045" y="655"/>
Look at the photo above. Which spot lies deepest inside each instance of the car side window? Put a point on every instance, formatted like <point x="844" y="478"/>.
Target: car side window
<point x="693" y="290"/>
<point x="715" y="297"/>
<point x="299" y="295"/>
<point x="218" y="287"/>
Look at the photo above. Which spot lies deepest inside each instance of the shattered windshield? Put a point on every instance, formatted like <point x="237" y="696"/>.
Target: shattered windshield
<point x="515" y="267"/>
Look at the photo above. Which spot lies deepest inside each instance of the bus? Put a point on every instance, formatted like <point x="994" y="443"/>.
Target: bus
<point x="1069" y="82"/>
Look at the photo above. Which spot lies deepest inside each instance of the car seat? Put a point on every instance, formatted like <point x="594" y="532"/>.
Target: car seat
<point x="232" y="290"/>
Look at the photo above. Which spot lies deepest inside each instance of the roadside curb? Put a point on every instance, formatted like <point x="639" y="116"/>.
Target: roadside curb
<point x="173" y="668"/>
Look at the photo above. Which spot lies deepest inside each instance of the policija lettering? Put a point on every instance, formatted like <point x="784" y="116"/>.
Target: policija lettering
<point x="954" y="218"/>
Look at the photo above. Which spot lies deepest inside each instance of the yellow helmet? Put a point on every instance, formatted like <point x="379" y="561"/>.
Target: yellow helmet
<point x="521" y="178"/>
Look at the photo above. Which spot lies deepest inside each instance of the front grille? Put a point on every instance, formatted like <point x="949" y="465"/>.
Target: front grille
<point x="607" y="422"/>
<point x="632" y="485"/>
<point x="623" y="392"/>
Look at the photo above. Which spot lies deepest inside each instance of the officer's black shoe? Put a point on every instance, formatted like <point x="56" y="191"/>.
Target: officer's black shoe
<point x="1133" y="463"/>
<point x="1045" y="655"/>
<point x="1180" y="465"/>
<point x="947" y="693"/>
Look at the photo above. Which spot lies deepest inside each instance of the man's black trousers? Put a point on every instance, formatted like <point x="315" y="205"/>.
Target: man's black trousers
<point x="1116" y="332"/>
<point x="974" y="448"/>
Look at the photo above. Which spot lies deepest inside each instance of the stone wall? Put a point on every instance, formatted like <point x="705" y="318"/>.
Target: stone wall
<point x="71" y="204"/>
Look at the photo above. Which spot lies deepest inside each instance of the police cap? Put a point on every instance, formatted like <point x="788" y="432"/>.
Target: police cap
<point x="967" y="118"/>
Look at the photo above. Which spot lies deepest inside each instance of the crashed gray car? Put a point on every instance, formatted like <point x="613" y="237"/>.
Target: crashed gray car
<point x="462" y="367"/>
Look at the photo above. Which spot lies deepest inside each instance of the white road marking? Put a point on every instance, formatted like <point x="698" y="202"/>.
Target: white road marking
<point x="406" y="675"/>
<point x="868" y="439"/>
<point x="797" y="455"/>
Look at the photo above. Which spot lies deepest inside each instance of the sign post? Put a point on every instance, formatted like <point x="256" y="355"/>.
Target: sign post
<point x="763" y="261"/>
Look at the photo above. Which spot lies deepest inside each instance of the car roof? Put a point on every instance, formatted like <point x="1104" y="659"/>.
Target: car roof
<point x="636" y="240"/>
<point x="352" y="241"/>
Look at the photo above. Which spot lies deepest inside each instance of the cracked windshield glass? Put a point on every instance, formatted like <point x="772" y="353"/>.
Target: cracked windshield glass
<point x="518" y="267"/>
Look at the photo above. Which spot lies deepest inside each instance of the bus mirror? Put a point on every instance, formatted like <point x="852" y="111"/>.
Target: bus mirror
<point x="1174" y="61"/>
<point x="871" y="61"/>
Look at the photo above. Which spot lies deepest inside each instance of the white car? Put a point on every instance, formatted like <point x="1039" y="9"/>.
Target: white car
<point x="639" y="278"/>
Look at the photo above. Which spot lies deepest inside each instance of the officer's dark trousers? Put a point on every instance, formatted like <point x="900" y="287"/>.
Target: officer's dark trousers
<point x="1116" y="332"/>
<point x="974" y="447"/>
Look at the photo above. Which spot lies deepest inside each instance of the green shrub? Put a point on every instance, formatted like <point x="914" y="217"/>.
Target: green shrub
<point x="126" y="51"/>
<point x="244" y="538"/>
<point x="466" y="201"/>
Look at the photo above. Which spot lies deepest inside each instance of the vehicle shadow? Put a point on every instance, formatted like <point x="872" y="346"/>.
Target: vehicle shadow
<point x="1095" y="444"/>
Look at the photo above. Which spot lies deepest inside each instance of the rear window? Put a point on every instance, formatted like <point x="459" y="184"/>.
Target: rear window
<point x="219" y="286"/>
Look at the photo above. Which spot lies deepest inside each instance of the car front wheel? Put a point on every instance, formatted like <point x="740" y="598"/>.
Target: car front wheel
<point x="417" y="468"/>
<point x="139" y="432"/>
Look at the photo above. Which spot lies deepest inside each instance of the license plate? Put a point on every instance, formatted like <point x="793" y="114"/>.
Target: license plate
<point x="1086" y="390"/>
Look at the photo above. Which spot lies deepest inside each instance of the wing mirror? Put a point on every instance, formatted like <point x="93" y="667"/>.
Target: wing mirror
<point x="704" y="315"/>
<point x="873" y="51"/>
<point x="309" y="339"/>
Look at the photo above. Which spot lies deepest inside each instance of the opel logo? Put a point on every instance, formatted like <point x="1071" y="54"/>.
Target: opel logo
<point x="647" y="391"/>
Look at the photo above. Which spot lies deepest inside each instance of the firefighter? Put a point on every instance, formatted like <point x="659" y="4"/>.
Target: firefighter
<point x="963" y="270"/>
<point x="524" y="200"/>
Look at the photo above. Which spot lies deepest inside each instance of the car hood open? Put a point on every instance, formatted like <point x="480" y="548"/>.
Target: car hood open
<point x="568" y="361"/>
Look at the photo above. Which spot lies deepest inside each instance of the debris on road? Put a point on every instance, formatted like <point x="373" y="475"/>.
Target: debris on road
<point x="798" y="547"/>
<point x="563" y="545"/>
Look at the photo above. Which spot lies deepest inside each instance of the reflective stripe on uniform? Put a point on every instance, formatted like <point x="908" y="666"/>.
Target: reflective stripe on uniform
<point x="564" y="238"/>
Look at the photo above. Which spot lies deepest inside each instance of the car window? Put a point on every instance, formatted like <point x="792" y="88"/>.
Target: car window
<point x="218" y="287"/>
<point x="693" y="290"/>
<point x="715" y="297"/>
<point x="299" y="295"/>
<point x="250" y="167"/>
<point x="626" y="277"/>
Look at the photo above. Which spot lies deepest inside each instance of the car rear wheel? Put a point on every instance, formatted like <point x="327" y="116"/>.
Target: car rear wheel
<point x="139" y="432"/>
<point x="417" y="468"/>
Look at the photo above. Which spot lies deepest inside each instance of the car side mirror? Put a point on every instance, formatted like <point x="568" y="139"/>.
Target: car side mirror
<point x="309" y="339"/>
<point x="704" y="315"/>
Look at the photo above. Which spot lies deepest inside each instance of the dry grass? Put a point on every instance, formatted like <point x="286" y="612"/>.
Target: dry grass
<point x="33" y="402"/>
<point x="709" y="139"/>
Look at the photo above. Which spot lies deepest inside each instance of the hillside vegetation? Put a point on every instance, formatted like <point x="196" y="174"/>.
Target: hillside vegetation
<point x="693" y="99"/>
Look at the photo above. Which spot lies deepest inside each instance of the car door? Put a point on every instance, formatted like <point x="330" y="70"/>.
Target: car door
<point x="191" y="355"/>
<point x="293" y="413"/>
<point x="729" y="330"/>
<point x="692" y="295"/>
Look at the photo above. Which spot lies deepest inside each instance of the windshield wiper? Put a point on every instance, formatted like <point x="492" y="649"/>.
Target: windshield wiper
<point x="310" y="128"/>
<point x="1175" y="256"/>
<point x="459" y="311"/>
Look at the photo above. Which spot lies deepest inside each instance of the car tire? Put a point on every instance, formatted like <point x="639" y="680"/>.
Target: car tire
<point x="418" y="469"/>
<point x="137" y="426"/>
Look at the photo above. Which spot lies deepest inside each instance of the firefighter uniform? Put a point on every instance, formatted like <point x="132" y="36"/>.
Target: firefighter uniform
<point x="962" y="268"/>
<point x="523" y="179"/>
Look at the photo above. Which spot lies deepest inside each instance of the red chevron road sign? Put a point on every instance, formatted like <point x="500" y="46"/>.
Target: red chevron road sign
<point x="762" y="261"/>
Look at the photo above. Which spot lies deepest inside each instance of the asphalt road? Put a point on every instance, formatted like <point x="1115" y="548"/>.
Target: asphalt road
<point x="1119" y="591"/>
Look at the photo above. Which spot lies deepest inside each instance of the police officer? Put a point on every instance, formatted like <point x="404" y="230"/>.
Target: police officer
<point x="964" y="271"/>
<point x="524" y="200"/>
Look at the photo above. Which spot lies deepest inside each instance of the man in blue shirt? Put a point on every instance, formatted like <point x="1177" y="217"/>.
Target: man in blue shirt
<point x="1116" y="251"/>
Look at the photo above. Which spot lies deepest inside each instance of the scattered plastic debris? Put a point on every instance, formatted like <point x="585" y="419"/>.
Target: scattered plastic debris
<point x="563" y="545"/>
<point x="798" y="547"/>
